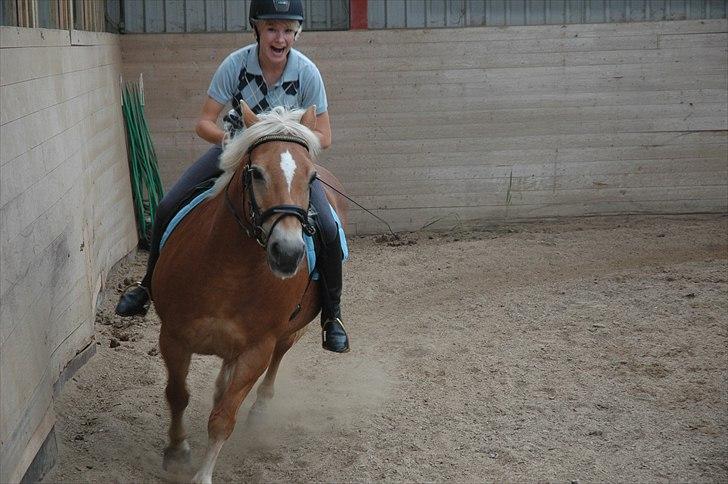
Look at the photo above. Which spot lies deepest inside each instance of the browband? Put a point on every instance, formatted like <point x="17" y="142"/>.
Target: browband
<point x="278" y="137"/>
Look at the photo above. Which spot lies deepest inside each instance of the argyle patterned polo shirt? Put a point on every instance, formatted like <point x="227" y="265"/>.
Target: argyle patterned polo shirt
<point x="240" y="77"/>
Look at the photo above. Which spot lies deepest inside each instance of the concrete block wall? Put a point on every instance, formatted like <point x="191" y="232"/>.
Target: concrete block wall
<point x="66" y="216"/>
<point x="433" y="127"/>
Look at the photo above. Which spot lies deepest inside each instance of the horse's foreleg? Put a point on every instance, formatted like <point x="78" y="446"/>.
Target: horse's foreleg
<point x="247" y="368"/>
<point x="177" y="360"/>
<point x="266" y="388"/>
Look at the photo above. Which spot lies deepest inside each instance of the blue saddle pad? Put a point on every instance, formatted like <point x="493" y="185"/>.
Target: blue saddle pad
<point x="310" y="249"/>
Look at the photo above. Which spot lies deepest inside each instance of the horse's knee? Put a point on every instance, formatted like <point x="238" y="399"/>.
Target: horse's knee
<point x="177" y="396"/>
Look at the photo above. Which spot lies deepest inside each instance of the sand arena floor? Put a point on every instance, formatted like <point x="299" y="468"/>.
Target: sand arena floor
<point x="591" y="350"/>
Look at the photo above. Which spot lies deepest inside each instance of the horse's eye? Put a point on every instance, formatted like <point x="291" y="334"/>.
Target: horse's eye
<point x="257" y="174"/>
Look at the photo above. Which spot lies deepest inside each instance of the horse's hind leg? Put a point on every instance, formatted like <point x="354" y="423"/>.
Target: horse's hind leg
<point x="223" y="380"/>
<point x="246" y="369"/>
<point x="266" y="388"/>
<point x="177" y="360"/>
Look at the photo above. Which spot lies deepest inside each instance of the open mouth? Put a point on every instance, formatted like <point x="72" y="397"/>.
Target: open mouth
<point x="278" y="51"/>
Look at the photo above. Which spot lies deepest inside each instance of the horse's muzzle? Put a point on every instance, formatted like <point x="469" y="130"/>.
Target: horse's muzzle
<point x="285" y="255"/>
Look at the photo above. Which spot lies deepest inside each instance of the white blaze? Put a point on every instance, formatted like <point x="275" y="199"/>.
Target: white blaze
<point x="288" y="165"/>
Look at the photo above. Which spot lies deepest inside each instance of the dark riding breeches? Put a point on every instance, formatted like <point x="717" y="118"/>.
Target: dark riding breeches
<point x="202" y="170"/>
<point x="207" y="168"/>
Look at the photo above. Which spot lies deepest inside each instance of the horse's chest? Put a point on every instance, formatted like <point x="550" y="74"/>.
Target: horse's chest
<point x="228" y="337"/>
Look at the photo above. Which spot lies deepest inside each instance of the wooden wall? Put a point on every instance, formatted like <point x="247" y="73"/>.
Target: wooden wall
<point x="475" y="13"/>
<point x="490" y="124"/>
<point x="66" y="216"/>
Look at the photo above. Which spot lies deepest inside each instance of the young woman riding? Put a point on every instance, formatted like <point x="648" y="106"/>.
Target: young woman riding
<point x="264" y="75"/>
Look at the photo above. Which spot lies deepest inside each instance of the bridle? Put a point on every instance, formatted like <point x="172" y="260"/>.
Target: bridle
<point x="253" y="225"/>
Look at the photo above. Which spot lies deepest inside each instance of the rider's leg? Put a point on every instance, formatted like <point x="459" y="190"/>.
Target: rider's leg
<point x="135" y="301"/>
<point x="334" y="337"/>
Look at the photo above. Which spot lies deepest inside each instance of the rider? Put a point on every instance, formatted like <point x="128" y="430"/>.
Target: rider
<point x="266" y="74"/>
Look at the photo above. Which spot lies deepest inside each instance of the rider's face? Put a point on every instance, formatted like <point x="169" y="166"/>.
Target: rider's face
<point x="276" y="40"/>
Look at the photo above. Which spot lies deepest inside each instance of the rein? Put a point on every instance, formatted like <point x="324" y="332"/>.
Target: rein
<point x="254" y="227"/>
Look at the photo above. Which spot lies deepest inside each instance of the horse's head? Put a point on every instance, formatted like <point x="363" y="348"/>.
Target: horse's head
<point x="277" y="151"/>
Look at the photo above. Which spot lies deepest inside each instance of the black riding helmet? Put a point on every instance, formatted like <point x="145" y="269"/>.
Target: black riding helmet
<point x="275" y="10"/>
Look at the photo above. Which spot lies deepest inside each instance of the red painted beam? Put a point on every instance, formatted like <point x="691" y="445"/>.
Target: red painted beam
<point x="358" y="17"/>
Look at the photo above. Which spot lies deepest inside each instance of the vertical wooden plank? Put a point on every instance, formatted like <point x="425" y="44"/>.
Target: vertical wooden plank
<point x="65" y="14"/>
<point x="153" y="16"/>
<point x="97" y="19"/>
<point x="495" y="12"/>
<point x="113" y="15"/>
<point x="20" y="14"/>
<point x="716" y="9"/>
<point x="60" y="14"/>
<point x="340" y="15"/>
<point x="556" y="12"/>
<point x="516" y="12"/>
<point x="195" y="16"/>
<point x="133" y="16"/>
<point x="574" y="12"/>
<point x="33" y="13"/>
<point x="676" y="10"/>
<point x="377" y="14"/>
<point x="8" y="15"/>
<point x="656" y="9"/>
<point x="455" y="15"/>
<point x="77" y="15"/>
<point x="616" y="11"/>
<point x="307" y="15"/>
<point x="415" y="13"/>
<point x="436" y="13"/>
<point x="45" y="15"/>
<point x="174" y="15"/>
<point x="215" y="16"/>
<point x="636" y="11"/>
<point x="476" y="13"/>
<point x="535" y="13"/>
<point x="25" y="13"/>
<point x="596" y="11"/>
<point x="359" y="16"/>
<point x="318" y="15"/>
<point x="236" y="15"/>
<point x="695" y="9"/>
<point x="395" y="14"/>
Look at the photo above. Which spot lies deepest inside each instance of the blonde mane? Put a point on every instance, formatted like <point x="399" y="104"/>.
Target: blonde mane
<point x="278" y="120"/>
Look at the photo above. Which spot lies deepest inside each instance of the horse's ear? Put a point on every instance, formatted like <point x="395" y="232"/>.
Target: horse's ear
<point x="309" y="118"/>
<point x="249" y="117"/>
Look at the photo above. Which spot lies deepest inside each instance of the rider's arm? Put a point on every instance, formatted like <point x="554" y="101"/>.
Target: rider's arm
<point x="323" y="129"/>
<point x="207" y="127"/>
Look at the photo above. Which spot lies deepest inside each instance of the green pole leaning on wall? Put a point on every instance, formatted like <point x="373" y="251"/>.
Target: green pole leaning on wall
<point x="143" y="170"/>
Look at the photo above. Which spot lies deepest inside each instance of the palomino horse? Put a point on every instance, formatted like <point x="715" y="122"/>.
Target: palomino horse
<point x="232" y="274"/>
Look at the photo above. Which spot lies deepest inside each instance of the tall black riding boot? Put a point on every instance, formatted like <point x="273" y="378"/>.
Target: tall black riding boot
<point x="333" y="336"/>
<point x="134" y="301"/>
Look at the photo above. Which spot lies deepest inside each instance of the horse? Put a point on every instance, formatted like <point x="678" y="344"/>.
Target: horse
<point x="232" y="279"/>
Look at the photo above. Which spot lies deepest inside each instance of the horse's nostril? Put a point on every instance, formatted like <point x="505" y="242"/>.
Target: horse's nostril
<point x="275" y="249"/>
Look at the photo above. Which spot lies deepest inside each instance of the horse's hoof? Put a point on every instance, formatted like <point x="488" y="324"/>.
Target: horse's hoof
<point x="257" y="414"/>
<point x="201" y="479"/>
<point x="176" y="456"/>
